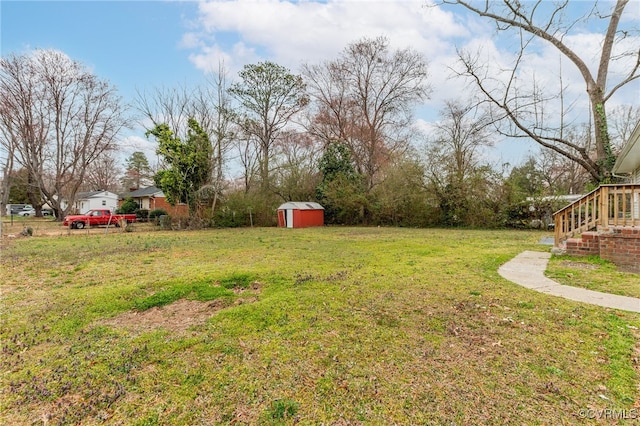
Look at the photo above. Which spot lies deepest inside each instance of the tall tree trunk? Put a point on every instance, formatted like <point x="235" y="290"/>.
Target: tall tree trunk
<point x="604" y="155"/>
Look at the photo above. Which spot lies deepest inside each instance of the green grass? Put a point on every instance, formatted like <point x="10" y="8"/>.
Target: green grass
<point x="593" y="273"/>
<point x="328" y="325"/>
<point x="203" y="290"/>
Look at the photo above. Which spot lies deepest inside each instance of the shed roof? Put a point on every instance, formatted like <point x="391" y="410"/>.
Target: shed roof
<point x="300" y="205"/>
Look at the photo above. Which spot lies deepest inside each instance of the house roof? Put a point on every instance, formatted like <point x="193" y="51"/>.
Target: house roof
<point x="91" y="194"/>
<point x="297" y="205"/>
<point x="629" y="158"/>
<point x="145" y="192"/>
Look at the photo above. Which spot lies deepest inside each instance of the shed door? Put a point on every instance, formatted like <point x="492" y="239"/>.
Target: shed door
<point x="289" y="218"/>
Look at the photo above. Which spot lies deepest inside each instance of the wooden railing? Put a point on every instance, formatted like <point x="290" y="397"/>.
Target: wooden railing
<point x="606" y="206"/>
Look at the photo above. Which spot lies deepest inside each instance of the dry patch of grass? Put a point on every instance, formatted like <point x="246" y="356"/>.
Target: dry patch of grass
<point x="579" y="265"/>
<point x="180" y="315"/>
<point x="176" y="317"/>
<point x="279" y="326"/>
<point x="48" y="227"/>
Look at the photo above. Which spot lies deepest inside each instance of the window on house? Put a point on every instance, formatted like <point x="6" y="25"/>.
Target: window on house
<point x="104" y="202"/>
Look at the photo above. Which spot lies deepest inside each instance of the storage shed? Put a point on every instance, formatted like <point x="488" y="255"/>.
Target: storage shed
<point x="300" y="215"/>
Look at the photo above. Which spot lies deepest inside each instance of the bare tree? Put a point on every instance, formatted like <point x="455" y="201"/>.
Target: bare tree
<point x="63" y="118"/>
<point x="248" y="158"/>
<point x="7" y="148"/>
<point x="364" y="99"/>
<point x="214" y="108"/>
<point x="560" y="174"/>
<point x="103" y="174"/>
<point x="170" y="106"/>
<point x="622" y="121"/>
<point x="296" y="166"/>
<point x="527" y="109"/>
<point x="454" y="169"/>
<point x="460" y="134"/>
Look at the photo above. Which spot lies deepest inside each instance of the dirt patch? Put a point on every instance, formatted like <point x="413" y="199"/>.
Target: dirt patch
<point x="254" y="287"/>
<point x="578" y="265"/>
<point x="176" y="317"/>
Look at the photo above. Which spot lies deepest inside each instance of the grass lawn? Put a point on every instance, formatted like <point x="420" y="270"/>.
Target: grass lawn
<point x="277" y="326"/>
<point x="593" y="273"/>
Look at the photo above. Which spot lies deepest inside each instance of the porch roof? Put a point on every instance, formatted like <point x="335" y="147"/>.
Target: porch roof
<point x="629" y="158"/>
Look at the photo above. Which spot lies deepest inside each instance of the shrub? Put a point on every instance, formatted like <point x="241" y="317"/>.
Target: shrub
<point x="164" y="221"/>
<point x="228" y="218"/>
<point x="240" y="208"/>
<point x="128" y="207"/>
<point x="534" y="212"/>
<point x="142" y="214"/>
<point x="156" y="213"/>
<point x="160" y="217"/>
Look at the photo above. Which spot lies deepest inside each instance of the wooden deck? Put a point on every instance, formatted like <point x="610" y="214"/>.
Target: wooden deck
<point x="605" y="207"/>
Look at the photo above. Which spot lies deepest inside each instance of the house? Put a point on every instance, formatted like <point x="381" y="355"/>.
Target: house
<point x="300" y="215"/>
<point x="606" y="221"/>
<point x="628" y="163"/>
<point x="151" y="198"/>
<point x="94" y="200"/>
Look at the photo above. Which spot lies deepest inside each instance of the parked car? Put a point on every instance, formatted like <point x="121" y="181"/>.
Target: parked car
<point x="32" y="212"/>
<point x="15" y="209"/>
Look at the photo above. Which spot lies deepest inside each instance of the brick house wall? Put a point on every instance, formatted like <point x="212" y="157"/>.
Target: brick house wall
<point x="152" y="198"/>
<point x="179" y="210"/>
<point x="620" y="245"/>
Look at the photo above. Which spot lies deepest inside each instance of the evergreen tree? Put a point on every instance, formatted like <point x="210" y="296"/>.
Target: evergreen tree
<point x="341" y="189"/>
<point x="138" y="172"/>
<point x="188" y="162"/>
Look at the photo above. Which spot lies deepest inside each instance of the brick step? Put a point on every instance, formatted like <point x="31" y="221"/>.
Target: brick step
<point x="620" y="245"/>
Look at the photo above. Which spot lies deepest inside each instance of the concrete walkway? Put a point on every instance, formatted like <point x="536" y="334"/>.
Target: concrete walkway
<point x="527" y="269"/>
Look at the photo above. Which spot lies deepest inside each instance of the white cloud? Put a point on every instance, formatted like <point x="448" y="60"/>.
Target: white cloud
<point x="190" y="40"/>
<point x="309" y="31"/>
<point x="234" y="58"/>
<point x="134" y="143"/>
<point x="240" y="32"/>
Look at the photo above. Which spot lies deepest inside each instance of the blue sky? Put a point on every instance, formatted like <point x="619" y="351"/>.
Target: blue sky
<point x="142" y="45"/>
<point x="133" y="44"/>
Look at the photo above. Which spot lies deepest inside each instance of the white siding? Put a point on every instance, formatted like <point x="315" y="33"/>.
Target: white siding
<point x="635" y="178"/>
<point x="103" y="200"/>
<point x="289" y="218"/>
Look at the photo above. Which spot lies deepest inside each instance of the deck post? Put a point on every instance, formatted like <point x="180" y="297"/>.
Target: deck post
<point x="603" y="220"/>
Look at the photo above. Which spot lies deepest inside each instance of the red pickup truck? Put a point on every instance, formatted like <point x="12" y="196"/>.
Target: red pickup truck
<point x="97" y="217"/>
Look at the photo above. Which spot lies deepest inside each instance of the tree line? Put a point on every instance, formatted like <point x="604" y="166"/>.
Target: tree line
<point x="341" y="133"/>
